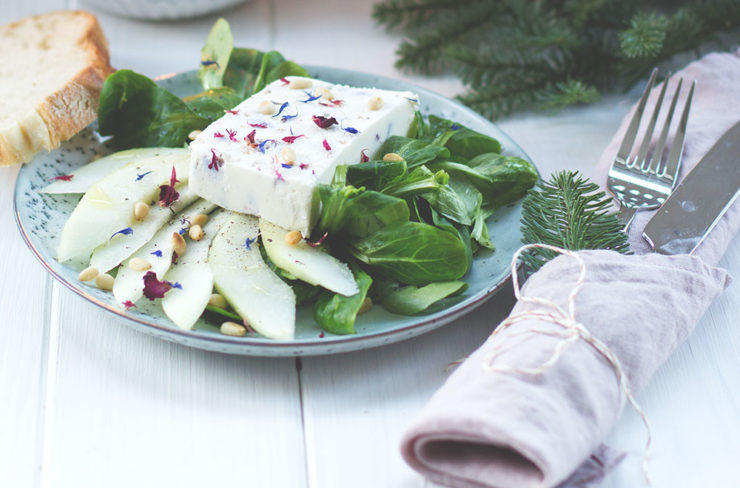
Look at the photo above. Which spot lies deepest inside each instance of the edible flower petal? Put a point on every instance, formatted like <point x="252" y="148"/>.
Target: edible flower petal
<point x="363" y="157"/>
<point x="285" y="81"/>
<point x="124" y="232"/>
<point x="208" y="62"/>
<point x="232" y="112"/>
<point x="282" y="107"/>
<point x="310" y="98"/>
<point x="157" y="253"/>
<point x="250" y="137"/>
<point x="319" y="242"/>
<point x="303" y="166"/>
<point x="176" y="284"/>
<point x="326" y="145"/>
<point x="323" y="122"/>
<point x="232" y="135"/>
<point x="263" y="143"/>
<point x="128" y="304"/>
<point x="167" y="193"/>
<point x="291" y="139"/>
<point x="140" y="177"/>
<point x="63" y="178"/>
<point x="260" y="125"/>
<point x="248" y="243"/>
<point x="217" y="134"/>
<point x="216" y="161"/>
<point x="153" y="288"/>
<point x="351" y="130"/>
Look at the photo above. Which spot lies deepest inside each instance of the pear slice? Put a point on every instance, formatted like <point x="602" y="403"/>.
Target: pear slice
<point x="307" y="263"/>
<point x="129" y="283"/>
<point x="265" y="301"/>
<point x="108" y="206"/>
<point x="86" y="176"/>
<point x="109" y="255"/>
<point x="185" y="305"/>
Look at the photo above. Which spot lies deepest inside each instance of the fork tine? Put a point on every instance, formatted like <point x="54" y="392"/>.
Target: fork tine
<point x="642" y="158"/>
<point x="673" y="163"/>
<point x="660" y="168"/>
<point x="629" y="136"/>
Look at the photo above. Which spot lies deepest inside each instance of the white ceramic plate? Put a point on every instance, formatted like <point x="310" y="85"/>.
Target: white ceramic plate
<point x="41" y="217"/>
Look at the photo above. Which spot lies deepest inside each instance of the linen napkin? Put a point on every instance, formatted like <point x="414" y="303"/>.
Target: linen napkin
<point x="492" y="425"/>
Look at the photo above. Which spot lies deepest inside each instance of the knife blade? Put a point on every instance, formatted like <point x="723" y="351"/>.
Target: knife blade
<point x="700" y="200"/>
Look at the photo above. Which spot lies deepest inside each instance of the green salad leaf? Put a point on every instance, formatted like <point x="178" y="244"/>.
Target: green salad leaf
<point x="411" y="300"/>
<point x="337" y="313"/>
<point x="463" y="143"/>
<point x="414" y="151"/>
<point x="215" y="54"/>
<point x="413" y="253"/>
<point x="141" y="114"/>
<point x="211" y="104"/>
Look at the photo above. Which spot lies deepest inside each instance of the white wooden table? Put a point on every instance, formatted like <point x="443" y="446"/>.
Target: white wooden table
<point x="85" y="401"/>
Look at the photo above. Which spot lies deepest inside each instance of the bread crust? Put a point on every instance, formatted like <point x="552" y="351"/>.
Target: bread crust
<point x="74" y="105"/>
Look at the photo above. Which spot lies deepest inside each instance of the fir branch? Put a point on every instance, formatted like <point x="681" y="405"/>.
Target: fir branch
<point x="570" y="212"/>
<point x="403" y="14"/>
<point x="533" y="50"/>
<point x="644" y="38"/>
<point x="571" y="92"/>
<point x="424" y="52"/>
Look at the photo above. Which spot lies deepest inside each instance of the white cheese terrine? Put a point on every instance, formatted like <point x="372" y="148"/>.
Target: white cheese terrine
<point x="266" y="156"/>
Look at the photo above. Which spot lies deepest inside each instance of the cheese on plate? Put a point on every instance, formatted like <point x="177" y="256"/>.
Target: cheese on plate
<point x="266" y="156"/>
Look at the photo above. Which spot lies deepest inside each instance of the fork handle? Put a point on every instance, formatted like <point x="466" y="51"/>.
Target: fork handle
<point x="626" y="215"/>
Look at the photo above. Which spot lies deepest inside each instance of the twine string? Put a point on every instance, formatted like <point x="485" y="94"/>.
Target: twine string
<point x="570" y="332"/>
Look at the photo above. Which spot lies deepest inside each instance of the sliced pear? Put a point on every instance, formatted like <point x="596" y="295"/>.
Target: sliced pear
<point x="129" y="283"/>
<point x="86" y="176"/>
<point x="265" y="301"/>
<point x="307" y="263"/>
<point x="186" y="304"/>
<point x="108" y="206"/>
<point x="109" y="255"/>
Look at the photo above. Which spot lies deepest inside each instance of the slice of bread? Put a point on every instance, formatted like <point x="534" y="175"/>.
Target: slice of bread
<point x="52" y="67"/>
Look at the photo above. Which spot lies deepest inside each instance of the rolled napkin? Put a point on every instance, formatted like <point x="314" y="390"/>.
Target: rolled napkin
<point x="494" y="424"/>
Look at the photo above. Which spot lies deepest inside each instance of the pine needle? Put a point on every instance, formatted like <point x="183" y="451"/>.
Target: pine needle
<point x="570" y="212"/>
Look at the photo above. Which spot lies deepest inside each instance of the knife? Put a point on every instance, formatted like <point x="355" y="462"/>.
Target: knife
<point x="700" y="200"/>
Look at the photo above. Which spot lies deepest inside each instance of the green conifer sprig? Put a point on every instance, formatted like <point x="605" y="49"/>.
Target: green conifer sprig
<point x="542" y="54"/>
<point x="569" y="212"/>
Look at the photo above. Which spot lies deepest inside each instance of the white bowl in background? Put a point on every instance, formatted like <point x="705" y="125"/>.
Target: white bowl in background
<point x="162" y="9"/>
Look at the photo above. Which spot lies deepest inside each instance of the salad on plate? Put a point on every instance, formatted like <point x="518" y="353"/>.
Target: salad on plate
<point x="270" y="189"/>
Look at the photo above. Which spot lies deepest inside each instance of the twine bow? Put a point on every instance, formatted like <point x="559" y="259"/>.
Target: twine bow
<point x="570" y="332"/>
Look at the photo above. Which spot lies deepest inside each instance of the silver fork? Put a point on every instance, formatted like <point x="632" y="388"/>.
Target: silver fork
<point x="640" y="182"/>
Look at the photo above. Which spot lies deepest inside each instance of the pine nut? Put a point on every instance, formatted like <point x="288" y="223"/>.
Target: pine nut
<point x="89" y="273"/>
<point x="293" y="237"/>
<point x="139" y="264"/>
<point x="266" y="107"/>
<point x="299" y="84"/>
<point x="375" y="103"/>
<point x="196" y="232"/>
<point x="325" y="93"/>
<point x="178" y="244"/>
<point x="199" y="219"/>
<point x="233" y="329"/>
<point x="141" y="210"/>
<point x="217" y="301"/>
<point x="367" y="304"/>
<point x="104" y="282"/>
<point x="193" y="134"/>
<point x="288" y="155"/>
<point x="391" y="157"/>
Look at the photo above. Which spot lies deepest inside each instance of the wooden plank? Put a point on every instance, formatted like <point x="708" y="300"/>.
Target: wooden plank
<point x="692" y="404"/>
<point x="24" y="301"/>
<point x="357" y="405"/>
<point x="128" y="409"/>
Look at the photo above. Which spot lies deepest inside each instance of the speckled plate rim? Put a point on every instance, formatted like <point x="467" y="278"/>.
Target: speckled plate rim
<point x="257" y="346"/>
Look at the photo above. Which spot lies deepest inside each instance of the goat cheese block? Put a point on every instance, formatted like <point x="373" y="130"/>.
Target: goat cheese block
<point x="267" y="155"/>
